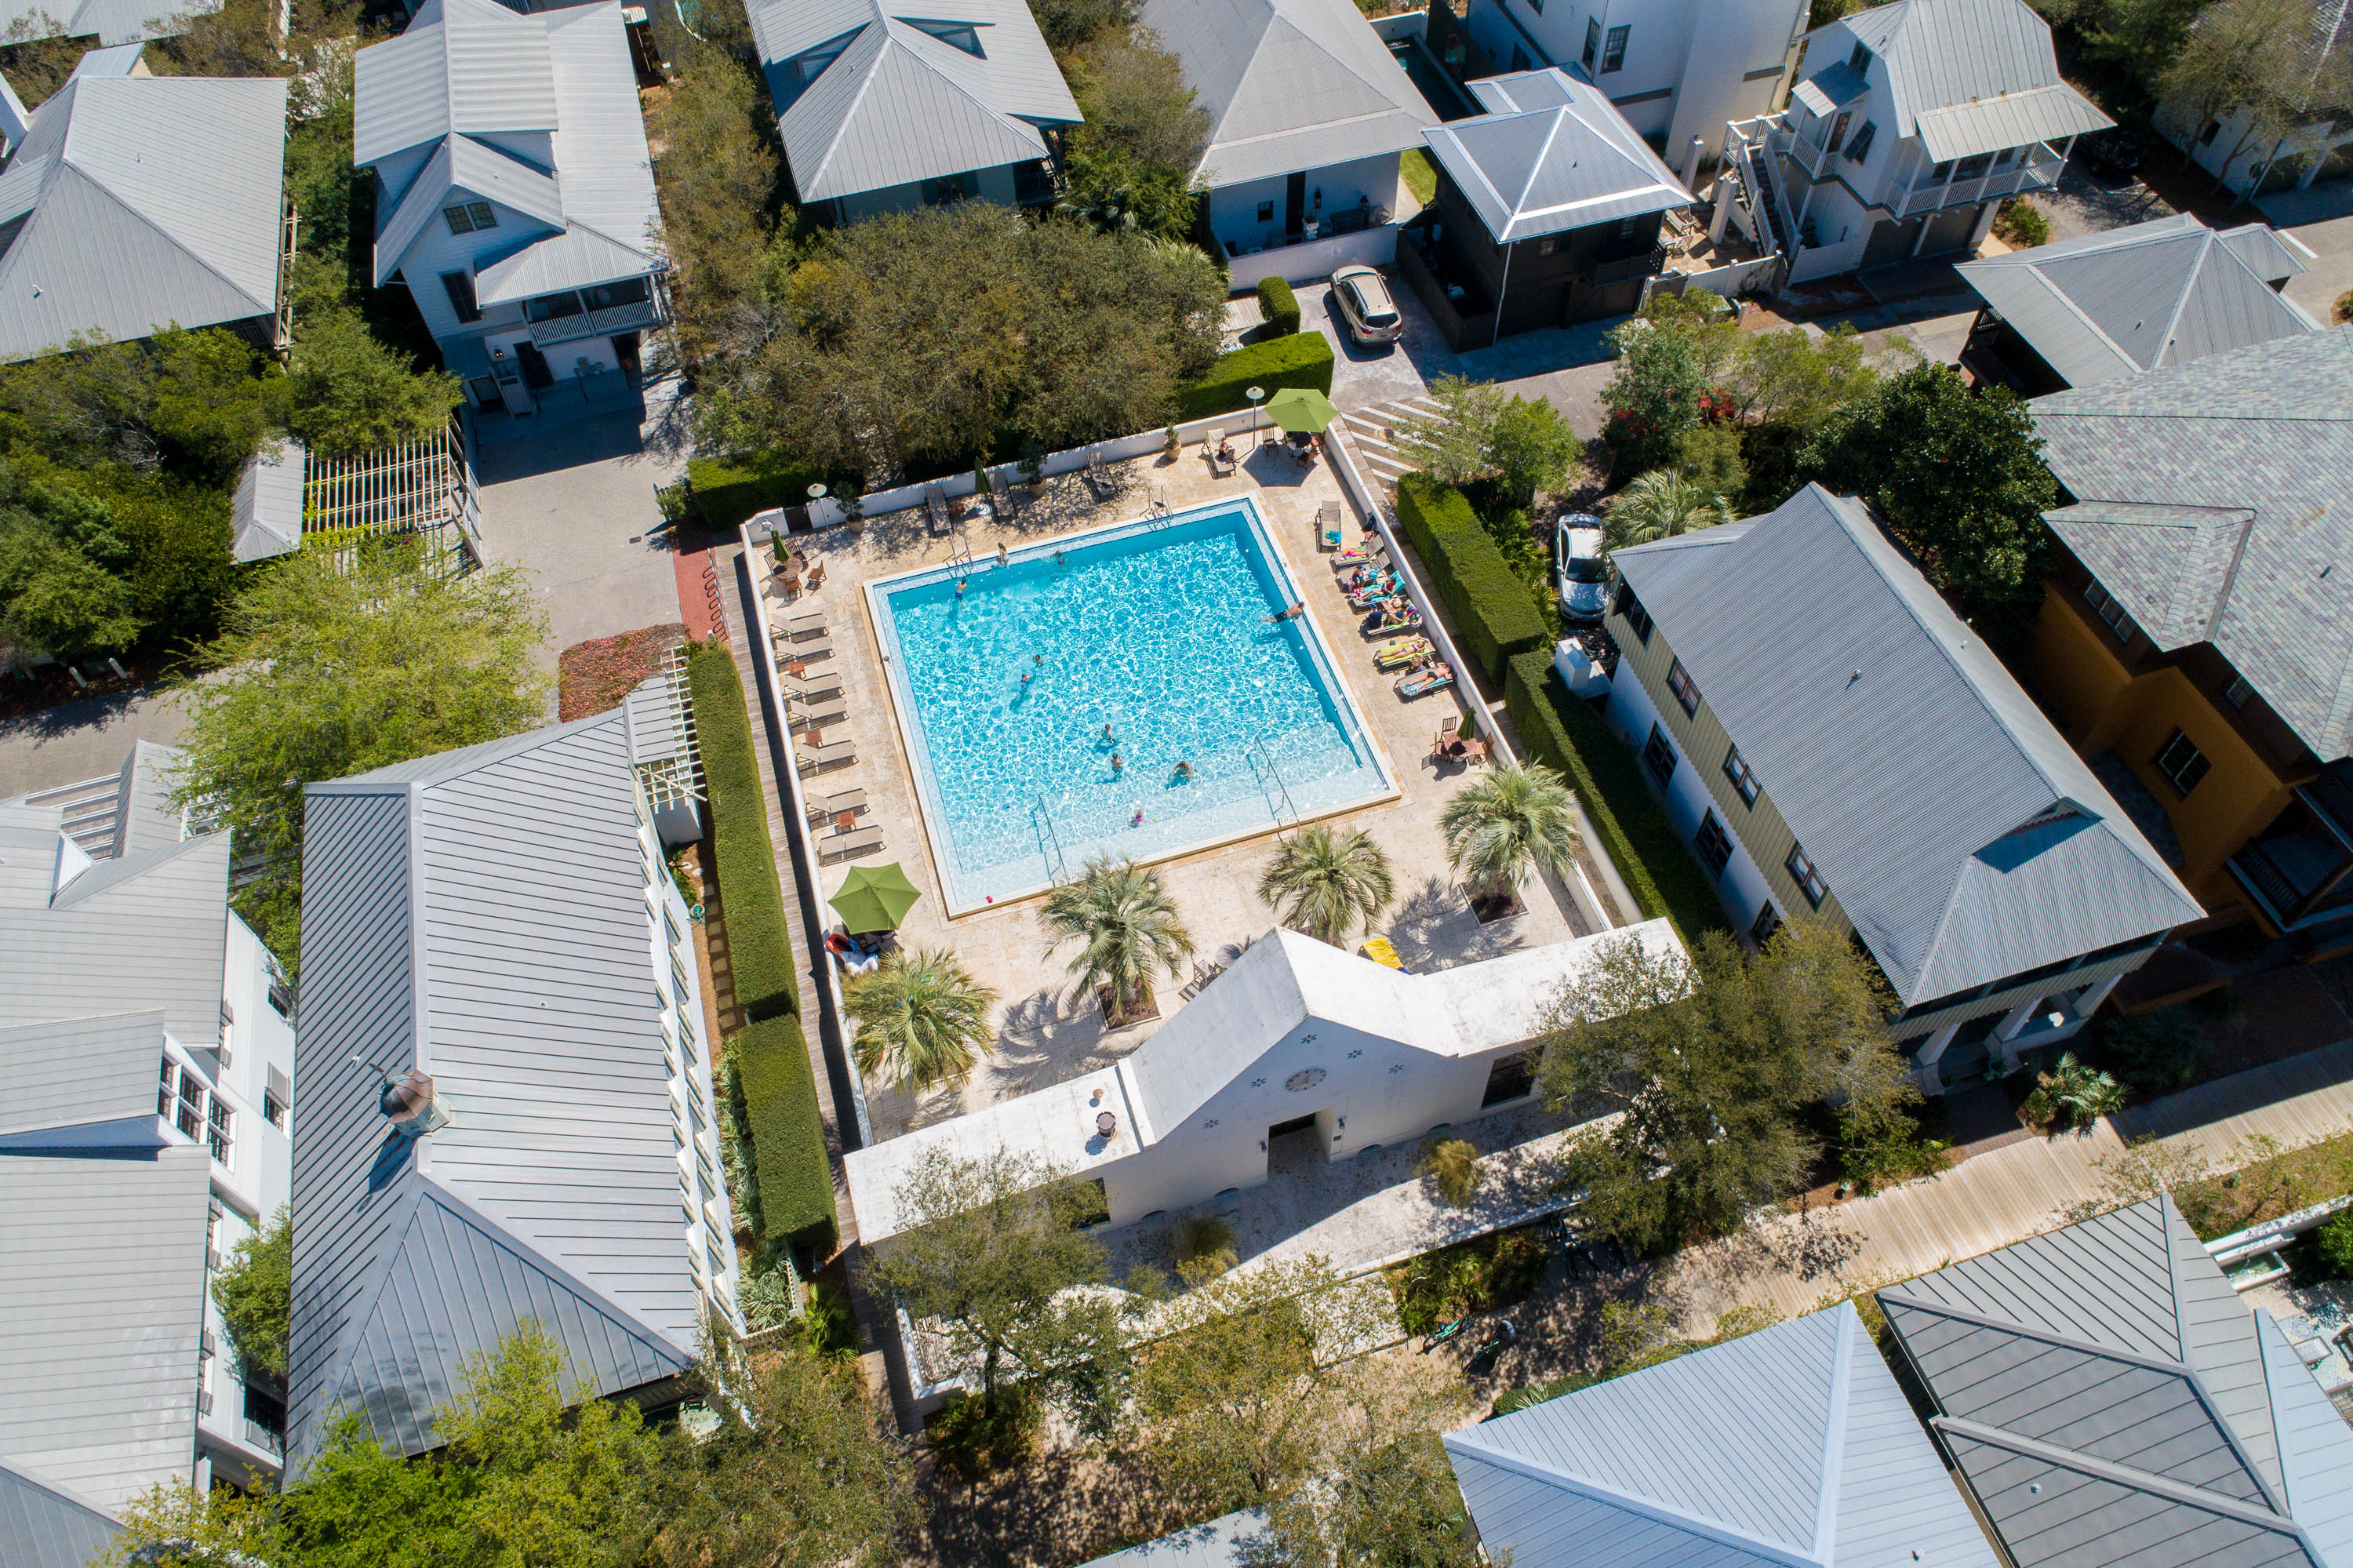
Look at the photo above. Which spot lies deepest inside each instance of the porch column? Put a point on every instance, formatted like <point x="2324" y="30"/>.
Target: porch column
<point x="2012" y="1024"/>
<point x="1943" y="194"/>
<point x="2087" y="1002"/>
<point x="1925" y="1059"/>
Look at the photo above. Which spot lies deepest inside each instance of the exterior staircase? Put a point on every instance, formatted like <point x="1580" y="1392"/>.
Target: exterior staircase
<point x="1371" y="437"/>
<point x="89" y="812"/>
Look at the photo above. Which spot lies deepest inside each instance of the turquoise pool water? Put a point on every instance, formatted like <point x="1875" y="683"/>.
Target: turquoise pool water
<point x="1159" y="631"/>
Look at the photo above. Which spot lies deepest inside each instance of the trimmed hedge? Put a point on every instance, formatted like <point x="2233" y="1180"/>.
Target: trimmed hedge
<point x="1280" y="306"/>
<point x="751" y="900"/>
<point x="780" y="1105"/>
<point x="729" y="490"/>
<point x="1563" y="732"/>
<point x="1303" y="359"/>
<point x="1487" y="598"/>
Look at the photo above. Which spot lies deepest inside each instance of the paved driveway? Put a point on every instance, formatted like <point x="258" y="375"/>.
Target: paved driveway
<point x="74" y="741"/>
<point x="2085" y="202"/>
<point x="2322" y="218"/>
<point x="574" y="507"/>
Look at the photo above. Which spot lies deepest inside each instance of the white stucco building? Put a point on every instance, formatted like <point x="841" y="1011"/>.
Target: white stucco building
<point x="1296" y="1033"/>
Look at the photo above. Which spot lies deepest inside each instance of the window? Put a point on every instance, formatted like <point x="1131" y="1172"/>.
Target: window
<point x="1626" y="227"/>
<point x="1685" y="689"/>
<point x="1769" y="920"/>
<point x="191" y="1103"/>
<point x="961" y="34"/>
<point x="1859" y="60"/>
<point x="2238" y="692"/>
<point x="1659" y="756"/>
<point x="1548" y="244"/>
<point x="281" y="1000"/>
<point x="164" y="1096"/>
<point x="467" y="216"/>
<point x="2182" y="763"/>
<point x="459" y="287"/>
<point x="669" y="924"/>
<point x="628" y="291"/>
<point x="1860" y="148"/>
<point x="2105" y="607"/>
<point x="1637" y="618"/>
<point x="1613" y="56"/>
<point x="1735" y="767"/>
<point x="1266" y="212"/>
<point x="278" y="1098"/>
<point x="1713" y="844"/>
<point x="1520" y="60"/>
<point x="1592" y="43"/>
<point x="945" y="189"/>
<point x="217" y="1133"/>
<point x="2213" y="129"/>
<point x="2001" y="159"/>
<point x="1972" y="169"/>
<point x="679" y="989"/>
<point x="1838" y="131"/>
<point x="212" y="1234"/>
<point x="1809" y="881"/>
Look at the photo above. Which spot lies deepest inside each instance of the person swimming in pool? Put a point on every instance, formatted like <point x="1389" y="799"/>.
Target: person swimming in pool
<point x="1184" y="772"/>
<point x="1115" y="763"/>
<point x="1293" y="613"/>
<point x="959" y="593"/>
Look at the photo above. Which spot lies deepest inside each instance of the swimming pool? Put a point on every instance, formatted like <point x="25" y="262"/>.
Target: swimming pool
<point x="1151" y="641"/>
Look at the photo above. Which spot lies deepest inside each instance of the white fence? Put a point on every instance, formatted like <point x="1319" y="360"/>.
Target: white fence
<point x="1312" y="261"/>
<point x="1728" y="281"/>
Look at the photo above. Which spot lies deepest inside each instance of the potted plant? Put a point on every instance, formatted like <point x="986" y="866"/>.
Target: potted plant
<point x="853" y="508"/>
<point x="1033" y="465"/>
<point x="1176" y="444"/>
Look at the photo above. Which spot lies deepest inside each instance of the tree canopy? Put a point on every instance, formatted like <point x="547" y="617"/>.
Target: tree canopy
<point x="322" y="670"/>
<point x="255" y="1292"/>
<point x="1711" y="1060"/>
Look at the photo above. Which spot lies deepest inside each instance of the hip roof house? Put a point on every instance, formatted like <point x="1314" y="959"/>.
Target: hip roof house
<point x="1829" y="736"/>
<point x="507" y="1108"/>
<point x="136" y="203"/>
<point x="2109" y="1399"/>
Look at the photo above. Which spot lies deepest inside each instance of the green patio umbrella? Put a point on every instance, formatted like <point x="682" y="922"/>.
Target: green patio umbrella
<point x="1300" y="410"/>
<point x="875" y="900"/>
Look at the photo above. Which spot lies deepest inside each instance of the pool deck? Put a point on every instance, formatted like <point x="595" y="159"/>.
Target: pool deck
<point x="1046" y="1032"/>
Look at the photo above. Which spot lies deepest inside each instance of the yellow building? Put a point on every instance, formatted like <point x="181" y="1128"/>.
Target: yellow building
<point x="2197" y="641"/>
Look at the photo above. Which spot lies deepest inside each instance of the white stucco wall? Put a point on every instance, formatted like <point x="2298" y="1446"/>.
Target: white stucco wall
<point x="1234" y="209"/>
<point x="1742" y="889"/>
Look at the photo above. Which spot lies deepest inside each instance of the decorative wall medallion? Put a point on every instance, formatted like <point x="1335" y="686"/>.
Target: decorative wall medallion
<point x="1399" y="1068"/>
<point x="1305" y="1079"/>
<point x="1258" y="1083"/>
<point x="1354" y="1054"/>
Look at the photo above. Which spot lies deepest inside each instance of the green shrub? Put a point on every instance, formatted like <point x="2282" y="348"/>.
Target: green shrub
<point x="971" y="1442"/>
<point x="1565" y="732"/>
<point x="1470" y="573"/>
<point x="1303" y="359"/>
<point x="1280" y="306"/>
<point x="1438" y="1286"/>
<point x="2334" y="1242"/>
<point x="788" y="1158"/>
<point x="729" y="490"/>
<point x="2022" y="224"/>
<point x="2154" y="1054"/>
<point x="751" y="902"/>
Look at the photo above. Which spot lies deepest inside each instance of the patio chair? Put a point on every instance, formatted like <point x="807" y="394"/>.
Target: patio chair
<point x="839" y="845"/>
<point x="827" y="807"/>
<point x="808" y="688"/>
<point x="810" y="757"/>
<point x="1100" y="478"/>
<point x="830" y="711"/>
<point x="936" y="510"/>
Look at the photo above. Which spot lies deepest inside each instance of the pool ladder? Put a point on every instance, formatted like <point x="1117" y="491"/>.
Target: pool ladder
<point x="1262" y="761"/>
<point x="1061" y="866"/>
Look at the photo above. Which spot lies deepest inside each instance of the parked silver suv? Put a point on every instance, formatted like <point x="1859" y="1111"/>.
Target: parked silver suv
<point x="1363" y="298"/>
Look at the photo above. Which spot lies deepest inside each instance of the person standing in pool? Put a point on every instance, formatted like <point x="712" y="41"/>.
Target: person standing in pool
<point x="959" y="588"/>
<point x="1184" y="772"/>
<point x="1107" y="734"/>
<point x="1000" y="554"/>
<point x="1057" y="558"/>
<point x="1117" y="764"/>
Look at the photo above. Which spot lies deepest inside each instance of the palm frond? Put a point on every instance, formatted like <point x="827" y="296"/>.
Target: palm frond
<point x="1323" y="883"/>
<point x="922" y="1020"/>
<point x="1514" y="818"/>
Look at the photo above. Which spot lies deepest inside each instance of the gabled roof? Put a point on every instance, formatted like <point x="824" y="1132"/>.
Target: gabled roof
<point x="896" y="102"/>
<point x="2214" y="499"/>
<point x="1969" y="76"/>
<point x="1791" y="1447"/>
<point x="2110" y="1400"/>
<point x="2133" y="299"/>
<point x="46" y="1525"/>
<point x="1290" y="85"/>
<point x="77" y="1073"/>
<point x="111" y="22"/>
<point x="266" y="512"/>
<point x="481" y="915"/>
<point x="101" y="1305"/>
<point x="480" y="84"/>
<point x="1230" y="1540"/>
<point x="1551" y="153"/>
<point x="1958" y="831"/>
<point x="141" y="202"/>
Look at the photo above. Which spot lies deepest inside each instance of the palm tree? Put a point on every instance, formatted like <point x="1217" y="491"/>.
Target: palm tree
<point x="1106" y="209"/>
<point x="1662" y="503"/>
<point x="1128" y="930"/>
<point x="921" y="1021"/>
<point x="1514" y="816"/>
<point x="2072" y="1093"/>
<point x="1323" y="883"/>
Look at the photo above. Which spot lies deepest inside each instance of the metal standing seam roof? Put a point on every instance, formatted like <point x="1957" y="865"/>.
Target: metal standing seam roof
<point x="136" y="203"/>
<point x="2133" y="299"/>
<point x="79" y="1072"/>
<point x="1230" y="1540"/>
<point x="1290" y="85"/>
<point x="2110" y="1400"/>
<point x="265" y="514"/>
<point x="1901" y="753"/>
<point x="466" y="68"/>
<point x="481" y="915"/>
<point x="101" y="1305"/>
<point x="899" y="104"/>
<point x="1829" y="90"/>
<point x="2214" y="499"/>
<point x="144" y="815"/>
<point x="46" y="1525"/>
<point x="1791" y="1447"/>
<point x="111" y="21"/>
<point x="1551" y="153"/>
<point x="1968" y="56"/>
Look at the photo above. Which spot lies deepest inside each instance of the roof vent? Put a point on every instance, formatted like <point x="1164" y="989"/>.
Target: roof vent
<point x="409" y="1103"/>
<point x="1106" y="1124"/>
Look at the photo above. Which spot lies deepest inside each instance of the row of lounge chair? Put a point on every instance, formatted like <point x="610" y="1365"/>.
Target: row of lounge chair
<point x="1391" y="616"/>
<point x="813" y="704"/>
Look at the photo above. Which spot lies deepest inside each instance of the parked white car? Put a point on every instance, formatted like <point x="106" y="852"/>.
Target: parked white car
<point x="1581" y="573"/>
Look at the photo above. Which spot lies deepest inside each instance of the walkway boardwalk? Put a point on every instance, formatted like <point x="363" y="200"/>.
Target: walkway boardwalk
<point x="2005" y="1194"/>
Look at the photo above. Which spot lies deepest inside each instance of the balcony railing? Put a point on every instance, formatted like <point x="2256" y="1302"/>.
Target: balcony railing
<point x="2036" y="169"/>
<point x="597" y="324"/>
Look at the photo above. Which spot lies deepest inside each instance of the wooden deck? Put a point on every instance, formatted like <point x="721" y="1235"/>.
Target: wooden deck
<point x="2005" y="1194"/>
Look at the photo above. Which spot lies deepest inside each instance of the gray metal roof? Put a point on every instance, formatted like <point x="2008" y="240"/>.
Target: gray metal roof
<point x="1787" y="1448"/>
<point x="79" y="1072"/>
<point x="2132" y="299"/>
<point x="899" y="104"/>
<point x="1902" y="754"/>
<point x="1551" y="153"/>
<point x="2110" y="1400"/>
<point x="1967" y="57"/>
<point x="101" y="1305"/>
<point x="2213" y="498"/>
<point x="265" y="516"/>
<point x="45" y="1525"/>
<point x="481" y="915"/>
<point x="466" y="72"/>
<point x="1230" y="1540"/>
<point x="141" y="202"/>
<point x="144" y="816"/>
<point x="110" y="21"/>
<point x="149" y="929"/>
<point x="1290" y="85"/>
<point x="1829" y="90"/>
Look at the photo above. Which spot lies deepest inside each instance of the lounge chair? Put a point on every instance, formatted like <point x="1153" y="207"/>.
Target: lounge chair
<point x="807" y="648"/>
<point x="1327" y="527"/>
<point x="1100" y="478"/>
<point x="830" y="805"/>
<point x="808" y="688"/>
<point x="1421" y="682"/>
<point x="1218" y="467"/>
<point x="808" y="623"/>
<point x="810" y="757"/>
<point x="936" y="511"/>
<point x="1380" y="951"/>
<point x="858" y="840"/>
<point x="830" y="711"/>
<point x="1001" y="494"/>
<point x="1401" y="650"/>
<point x="1358" y="555"/>
<point x="1411" y="622"/>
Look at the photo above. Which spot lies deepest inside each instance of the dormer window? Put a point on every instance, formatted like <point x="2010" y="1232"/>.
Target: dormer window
<point x="963" y="35"/>
<point x="1860" y="61"/>
<point x="793" y="75"/>
<point x="467" y="216"/>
